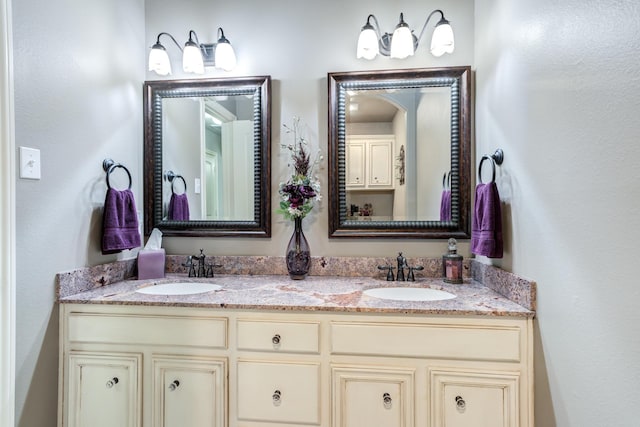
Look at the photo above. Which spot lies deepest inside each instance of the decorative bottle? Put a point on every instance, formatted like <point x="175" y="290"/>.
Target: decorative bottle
<point x="452" y="264"/>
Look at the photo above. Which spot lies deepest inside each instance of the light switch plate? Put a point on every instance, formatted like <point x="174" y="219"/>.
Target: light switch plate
<point x="29" y="163"/>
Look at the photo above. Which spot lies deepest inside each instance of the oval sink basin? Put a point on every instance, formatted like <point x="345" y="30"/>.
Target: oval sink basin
<point x="409" y="294"/>
<point x="179" y="288"/>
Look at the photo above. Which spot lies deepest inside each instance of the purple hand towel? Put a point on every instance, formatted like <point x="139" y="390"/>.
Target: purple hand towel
<point x="119" y="222"/>
<point x="486" y="232"/>
<point x="445" y="206"/>
<point x="179" y="207"/>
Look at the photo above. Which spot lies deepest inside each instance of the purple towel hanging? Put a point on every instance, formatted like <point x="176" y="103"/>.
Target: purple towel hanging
<point x="486" y="232"/>
<point x="178" y="207"/>
<point x="119" y="222"/>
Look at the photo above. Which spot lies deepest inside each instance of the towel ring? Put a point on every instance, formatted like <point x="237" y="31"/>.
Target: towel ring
<point x="496" y="159"/>
<point x="109" y="166"/>
<point x="171" y="177"/>
<point x="446" y="180"/>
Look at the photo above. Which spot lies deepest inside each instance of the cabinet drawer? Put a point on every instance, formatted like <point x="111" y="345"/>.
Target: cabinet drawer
<point x="279" y="392"/>
<point x="469" y="342"/>
<point x="148" y="329"/>
<point x="284" y="337"/>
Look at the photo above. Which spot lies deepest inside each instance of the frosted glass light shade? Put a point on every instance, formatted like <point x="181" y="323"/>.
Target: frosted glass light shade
<point x="225" y="56"/>
<point x="402" y="42"/>
<point x="159" y="61"/>
<point x="442" y="40"/>
<point x="367" y="43"/>
<point x="192" y="59"/>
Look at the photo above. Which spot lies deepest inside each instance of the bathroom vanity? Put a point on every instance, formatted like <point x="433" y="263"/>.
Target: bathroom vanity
<point x="268" y="351"/>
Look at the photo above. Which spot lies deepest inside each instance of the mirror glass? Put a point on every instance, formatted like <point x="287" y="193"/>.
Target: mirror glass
<point x="399" y="152"/>
<point x="207" y="166"/>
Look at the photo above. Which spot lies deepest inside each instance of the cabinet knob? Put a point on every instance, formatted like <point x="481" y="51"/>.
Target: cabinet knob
<point x="113" y="381"/>
<point x="276" y="339"/>
<point x="386" y="400"/>
<point x="174" y="385"/>
<point x="277" y="395"/>
<point x="460" y="404"/>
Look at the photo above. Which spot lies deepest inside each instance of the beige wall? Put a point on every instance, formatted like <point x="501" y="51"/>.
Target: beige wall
<point x="558" y="90"/>
<point x="297" y="44"/>
<point x="79" y="67"/>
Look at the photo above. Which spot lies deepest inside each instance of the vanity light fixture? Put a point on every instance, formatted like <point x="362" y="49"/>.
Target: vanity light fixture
<point x="195" y="55"/>
<point x="403" y="43"/>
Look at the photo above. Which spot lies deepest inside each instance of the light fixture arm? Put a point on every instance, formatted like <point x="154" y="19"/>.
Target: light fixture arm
<point x="424" y="27"/>
<point x="375" y="27"/>
<point x="195" y="36"/>
<point x="221" y="37"/>
<point x="170" y="36"/>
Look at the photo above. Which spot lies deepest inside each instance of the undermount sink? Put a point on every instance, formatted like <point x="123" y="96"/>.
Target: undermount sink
<point x="179" y="288"/>
<point x="409" y="294"/>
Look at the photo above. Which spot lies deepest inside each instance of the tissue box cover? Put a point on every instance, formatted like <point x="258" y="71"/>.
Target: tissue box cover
<point x="151" y="264"/>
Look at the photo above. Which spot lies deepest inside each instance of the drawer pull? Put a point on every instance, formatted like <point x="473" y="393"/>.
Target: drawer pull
<point x="277" y="395"/>
<point x="461" y="405"/>
<point x="174" y="385"/>
<point x="113" y="381"/>
<point x="276" y="340"/>
<point x="386" y="400"/>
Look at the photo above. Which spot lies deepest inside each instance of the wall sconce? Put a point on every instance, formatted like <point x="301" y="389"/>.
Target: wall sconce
<point x="195" y="55"/>
<point x="403" y="42"/>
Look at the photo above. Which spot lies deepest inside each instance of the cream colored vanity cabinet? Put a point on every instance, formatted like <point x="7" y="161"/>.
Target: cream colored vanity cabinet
<point x="176" y="366"/>
<point x="142" y="367"/>
<point x="279" y="370"/>
<point x="435" y="371"/>
<point x="369" y="162"/>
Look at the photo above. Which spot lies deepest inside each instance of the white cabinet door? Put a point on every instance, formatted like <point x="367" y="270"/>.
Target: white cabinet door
<point x="380" y="160"/>
<point x="369" y="163"/>
<point x="372" y="396"/>
<point x="462" y="398"/>
<point x="355" y="162"/>
<point x="104" y="390"/>
<point x="189" y="391"/>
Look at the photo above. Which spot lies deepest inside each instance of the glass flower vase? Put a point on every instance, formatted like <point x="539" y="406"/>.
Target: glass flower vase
<point x="298" y="253"/>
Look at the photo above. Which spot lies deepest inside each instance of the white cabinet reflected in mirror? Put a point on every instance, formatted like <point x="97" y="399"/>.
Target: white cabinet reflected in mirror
<point x="207" y="153"/>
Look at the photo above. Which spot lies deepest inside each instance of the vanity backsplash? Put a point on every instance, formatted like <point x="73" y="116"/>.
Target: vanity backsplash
<point x="518" y="289"/>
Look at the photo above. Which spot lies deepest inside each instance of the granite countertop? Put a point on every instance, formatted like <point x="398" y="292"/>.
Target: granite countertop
<point x="315" y="293"/>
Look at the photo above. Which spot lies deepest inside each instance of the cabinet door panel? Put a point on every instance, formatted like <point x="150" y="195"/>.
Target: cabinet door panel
<point x="470" y="398"/>
<point x="380" y="164"/>
<point x="372" y="396"/>
<point x="355" y="155"/>
<point x="189" y="391"/>
<point x="104" y="389"/>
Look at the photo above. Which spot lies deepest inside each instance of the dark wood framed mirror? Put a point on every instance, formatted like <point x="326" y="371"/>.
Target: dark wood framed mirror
<point x="399" y="153"/>
<point x="207" y="145"/>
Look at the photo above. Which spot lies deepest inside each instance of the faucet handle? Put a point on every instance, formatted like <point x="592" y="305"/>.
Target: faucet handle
<point x="411" y="277"/>
<point x="390" y="277"/>
<point x="210" y="268"/>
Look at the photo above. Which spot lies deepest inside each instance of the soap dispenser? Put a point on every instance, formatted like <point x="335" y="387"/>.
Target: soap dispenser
<point x="452" y="264"/>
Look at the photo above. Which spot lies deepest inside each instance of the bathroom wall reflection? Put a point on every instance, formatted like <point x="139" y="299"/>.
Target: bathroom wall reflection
<point x="209" y="141"/>
<point x="398" y="148"/>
